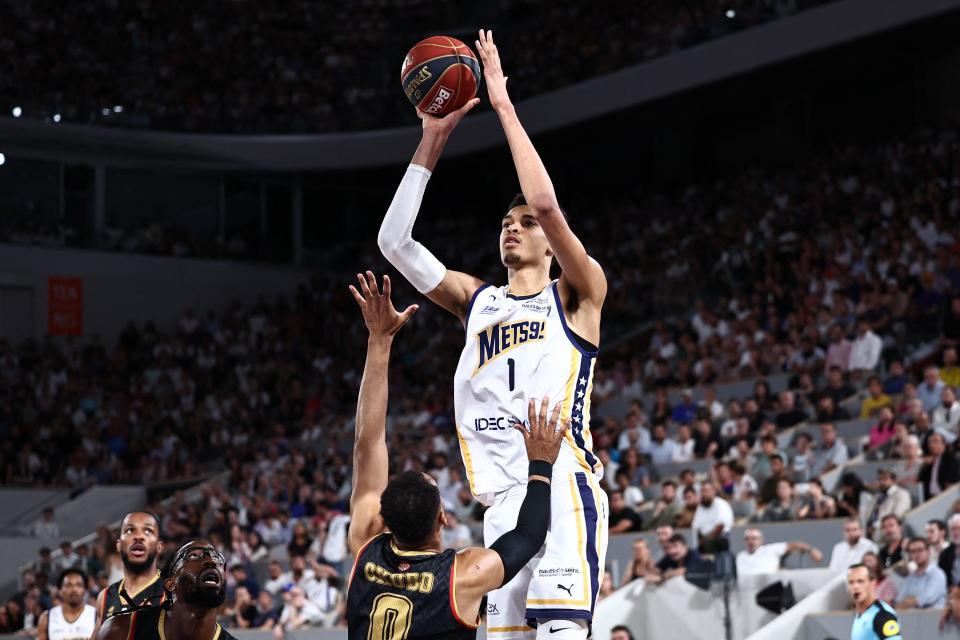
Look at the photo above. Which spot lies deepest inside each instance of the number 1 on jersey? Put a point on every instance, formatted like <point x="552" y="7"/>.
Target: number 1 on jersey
<point x="512" y="366"/>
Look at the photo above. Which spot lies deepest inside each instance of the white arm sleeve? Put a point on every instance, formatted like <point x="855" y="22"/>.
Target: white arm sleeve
<point x="411" y="258"/>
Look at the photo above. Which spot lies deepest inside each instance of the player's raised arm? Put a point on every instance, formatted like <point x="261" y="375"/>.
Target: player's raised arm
<point x="370" y="464"/>
<point x="481" y="570"/>
<point x="451" y="290"/>
<point x="581" y="272"/>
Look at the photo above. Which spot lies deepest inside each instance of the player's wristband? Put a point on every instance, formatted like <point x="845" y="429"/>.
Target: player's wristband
<point x="541" y="468"/>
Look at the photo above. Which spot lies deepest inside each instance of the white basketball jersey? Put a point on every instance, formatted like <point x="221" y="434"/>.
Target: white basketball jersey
<point x="519" y="347"/>
<point x="59" y="628"/>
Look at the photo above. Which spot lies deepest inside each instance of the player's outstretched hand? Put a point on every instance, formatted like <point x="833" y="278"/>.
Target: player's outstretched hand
<point x="492" y="71"/>
<point x="544" y="436"/>
<point x="379" y="314"/>
<point x="447" y="123"/>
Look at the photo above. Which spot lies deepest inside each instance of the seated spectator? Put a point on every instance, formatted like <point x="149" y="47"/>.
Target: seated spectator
<point x="686" y="411"/>
<point x="951" y="615"/>
<point x="802" y="458"/>
<point x="746" y="488"/>
<point x="926" y="586"/>
<point x="896" y="379"/>
<point x="850" y="550"/>
<point x="634" y="465"/>
<point x="277" y="579"/>
<point x="946" y="416"/>
<point x="684" y="451"/>
<point x="706" y="439"/>
<point x="664" y="534"/>
<point x="300" y="543"/>
<point x="635" y="435"/>
<point x="762" y="467"/>
<point x="298" y="613"/>
<point x="722" y="476"/>
<point x="663" y="450"/>
<point x="837" y="387"/>
<point x="949" y="560"/>
<point x="606" y="585"/>
<point x="759" y="558"/>
<point x="46" y="528"/>
<point x="632" y="495"/>
<point x="819" y="505"/>
<point x="911" y="462"/>
<point x="667" y="509"/>
<point x="853" y="498"/>
<point x="622" y="517"/>
<point x="254" y="549"/>
<point x="892" y="554"/>
<point x="866" y="348"/>
<point x="941" y="471"/>
<point x="691" y="503"/>
<point x="936" y="533"/>
<point x="712" y="521"/>
<point x="678" y="559"/>
<point x="885" y="590"/>
<point x="242" y="579"/>
<point x="267" y="613"/>
<point x="876" y="400"/>
<point x="830" y="453"/>
<point x="778" y="472"/>
<point x="785" y="505"/>
<point x="838" y="353"/>
<point x="891" y="499"/>
<point x="455" y="534"/>
<point x="930" y="390"/>
<point x="881" y="433"/>
<point x="641" y="564"/>
<point x="950" y="372"/>
<point x="713" y="407"/>
<point x="789" y="414"/>
<point x="829" y="411"/>
<point x="243" y="610"/>
<point x="621" y="632"/>
<point x="688" y="478"/>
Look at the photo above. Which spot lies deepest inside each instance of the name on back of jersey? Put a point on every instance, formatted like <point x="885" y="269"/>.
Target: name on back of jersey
<point x="421" y="581"/>
<point x="499" y="338"/>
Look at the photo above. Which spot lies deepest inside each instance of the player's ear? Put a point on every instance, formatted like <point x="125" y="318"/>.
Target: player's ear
<point x="159" y="547"/>
<point x="442" y="517"/>
<point x="118" y="545"/>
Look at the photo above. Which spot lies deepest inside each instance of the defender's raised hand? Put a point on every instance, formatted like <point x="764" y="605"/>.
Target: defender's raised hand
<point x="379" y="314"/>
<point x="544" y="436"/>
<point x="492" y="71"/>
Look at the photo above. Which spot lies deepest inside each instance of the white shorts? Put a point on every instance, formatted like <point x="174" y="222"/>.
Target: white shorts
<point x="561" y="581"/>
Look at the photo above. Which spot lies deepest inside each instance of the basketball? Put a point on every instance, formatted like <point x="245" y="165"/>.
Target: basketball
<point x="440" y="75"/>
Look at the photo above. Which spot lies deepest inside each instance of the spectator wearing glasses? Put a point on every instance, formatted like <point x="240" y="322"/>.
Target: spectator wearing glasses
<point x="925" y="587"/>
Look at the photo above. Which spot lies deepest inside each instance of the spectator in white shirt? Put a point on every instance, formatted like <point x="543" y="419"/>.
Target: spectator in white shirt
<point x="712" y="521"/>
<point x="454" y="534"/>
<point x="709" y="402"/>
<point x="632" y="495"/>
<point x="866" y="348"/>
<point x="298" y="612"/>
<point x="851" y="549"/>
<point x="46" y="528"/>
<point x="946" y="416"/>
<point x="634" y="435"/>
<point x="685" y="444"/>
<point x="662" y="449"/>
<point x="766" y="558"/>
<point x="278" y="580"/>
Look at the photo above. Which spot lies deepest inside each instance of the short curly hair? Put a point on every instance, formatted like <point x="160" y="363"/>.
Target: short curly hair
<point x="409" y="507"/>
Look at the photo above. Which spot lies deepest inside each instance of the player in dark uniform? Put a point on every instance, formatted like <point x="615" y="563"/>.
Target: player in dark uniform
<point x="196" y="586"/>
<point x="403" y="585"/>
<point x="139" y="546"/>
<point x="874" y="619"/>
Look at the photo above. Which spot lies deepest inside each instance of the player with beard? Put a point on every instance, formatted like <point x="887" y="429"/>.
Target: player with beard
<point x="197" y="587"/>
<point x="73" y="618"/>
<point x="139" y="545"/>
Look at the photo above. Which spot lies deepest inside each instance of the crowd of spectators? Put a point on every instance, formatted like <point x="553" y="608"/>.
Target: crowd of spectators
<point x="247" y="67"/>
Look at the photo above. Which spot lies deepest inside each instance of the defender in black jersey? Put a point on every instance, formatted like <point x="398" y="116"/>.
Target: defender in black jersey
<point x="197" y="587"/>
<point x="402" y="585"/>
<point x="139" y="546"/>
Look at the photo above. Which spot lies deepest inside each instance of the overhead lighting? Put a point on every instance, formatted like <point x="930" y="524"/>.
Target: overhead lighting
<point x="56" y="117"/>
<point x="731" y="14"/>
<point x="17" y="112"/>
<point x="3" y="159"/>
<point x="118" y="109"/>
<point x="106" y="111"/>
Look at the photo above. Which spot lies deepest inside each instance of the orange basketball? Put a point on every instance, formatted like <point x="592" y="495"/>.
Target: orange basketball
<point x="440" y="75"/>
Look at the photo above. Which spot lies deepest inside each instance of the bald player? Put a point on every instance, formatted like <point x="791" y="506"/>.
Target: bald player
<point x="139" y="546"/>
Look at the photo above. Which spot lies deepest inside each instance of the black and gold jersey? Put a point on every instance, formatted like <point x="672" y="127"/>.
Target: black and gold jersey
<point x="403" y="595"/>
<point x="119" y="600"/>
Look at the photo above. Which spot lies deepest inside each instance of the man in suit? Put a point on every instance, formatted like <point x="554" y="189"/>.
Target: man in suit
<point x="891" y="499"/>
<point x="949" y="558"/>
<point x="937" y="475"/>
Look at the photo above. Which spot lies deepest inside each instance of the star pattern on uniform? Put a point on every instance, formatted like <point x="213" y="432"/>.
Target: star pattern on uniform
<point x="576" y="412"/>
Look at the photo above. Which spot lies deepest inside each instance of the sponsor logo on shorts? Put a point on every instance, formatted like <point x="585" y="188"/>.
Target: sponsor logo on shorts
<point x="569" y="589"/>
<point x="560" y="572"/>
<point x="443" y="94"/>
<point x="497" y="423"/>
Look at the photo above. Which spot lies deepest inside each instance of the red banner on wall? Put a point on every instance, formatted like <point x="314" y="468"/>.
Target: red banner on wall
<point x="65" y="307"/>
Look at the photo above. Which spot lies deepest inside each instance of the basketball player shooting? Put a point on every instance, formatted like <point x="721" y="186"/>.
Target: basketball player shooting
<point x="533" y="338"/>
<point x="403" y="584"/>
